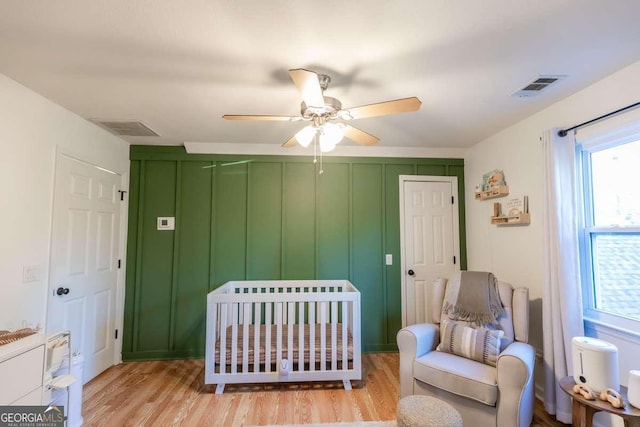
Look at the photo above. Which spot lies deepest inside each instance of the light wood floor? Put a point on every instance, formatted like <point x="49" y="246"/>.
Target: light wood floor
<point x="172" y="393"/>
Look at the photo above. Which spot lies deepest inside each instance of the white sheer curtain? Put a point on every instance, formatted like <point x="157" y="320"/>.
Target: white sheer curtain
<point x="561" y="292"/>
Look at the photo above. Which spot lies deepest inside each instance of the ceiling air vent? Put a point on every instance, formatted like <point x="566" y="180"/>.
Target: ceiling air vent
<point x="537" y="86"/>
<point x="126" y="128"/>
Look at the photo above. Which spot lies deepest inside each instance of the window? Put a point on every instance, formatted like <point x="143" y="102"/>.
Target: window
<point x="610" y="233"/>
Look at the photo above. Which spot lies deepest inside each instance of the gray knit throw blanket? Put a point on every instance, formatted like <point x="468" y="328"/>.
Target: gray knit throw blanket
<point x="472" y="296"/>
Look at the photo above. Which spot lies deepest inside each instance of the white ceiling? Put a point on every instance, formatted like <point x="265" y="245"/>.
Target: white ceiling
<point x="178" y="66"/>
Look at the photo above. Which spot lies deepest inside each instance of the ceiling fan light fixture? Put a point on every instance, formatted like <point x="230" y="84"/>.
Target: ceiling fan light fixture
<point x="332" y="133"/>
<point x="305" y="135"/>
<point x="326" y="145"/>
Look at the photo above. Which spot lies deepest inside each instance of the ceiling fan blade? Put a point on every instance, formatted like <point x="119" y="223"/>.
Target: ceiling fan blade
<point x="292" y="142"/>
<point x="259" y="117"/>
<point x="389" y="107"/>
<point x="360" y="136"/>
<point x="308" y="84"/>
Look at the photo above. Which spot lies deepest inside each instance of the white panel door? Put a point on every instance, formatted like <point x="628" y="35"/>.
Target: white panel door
<point x="84" y="260"/>
<point x="429" y="243"/>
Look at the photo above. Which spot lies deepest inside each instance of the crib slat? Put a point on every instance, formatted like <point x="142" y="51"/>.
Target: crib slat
<point x="323" y="336"/>
<point x="234" y="338"/>
<point x="213" y="307"/>
<point x="223" y="337"/>
<point x="256" y="337"/>
<point x="245" y="336"/>
<point x="279" y="313"/>
<point x="267" y="337"/>
<point x="312" y="336"/>
<point x="301" y="336"/>
<point x="345" y="337"/>
<point x="291" y="319"/>
<point x="334" y="335"/>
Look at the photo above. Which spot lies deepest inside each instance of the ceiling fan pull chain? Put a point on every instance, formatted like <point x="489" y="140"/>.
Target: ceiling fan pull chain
<point x="321" y="170"/>
<point x="315" y="148"/>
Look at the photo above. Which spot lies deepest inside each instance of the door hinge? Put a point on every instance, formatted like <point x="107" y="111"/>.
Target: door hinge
<point x="121" y="194"/>
<point x="116" y="334"/>
<point x="452" y="202"/>
<point x="119" y="263"/>
<point x="454" y="259"/>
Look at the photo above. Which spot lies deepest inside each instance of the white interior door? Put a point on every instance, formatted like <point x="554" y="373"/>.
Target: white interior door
<point x="429" y="240"/>
<point x="84" y="264"/>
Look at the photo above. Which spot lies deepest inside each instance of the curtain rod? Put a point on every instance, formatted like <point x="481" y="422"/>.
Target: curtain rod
<point x="563" y="132"/>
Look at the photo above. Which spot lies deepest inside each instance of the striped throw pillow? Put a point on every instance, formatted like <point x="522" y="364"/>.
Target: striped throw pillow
<point x="481" y="344"/>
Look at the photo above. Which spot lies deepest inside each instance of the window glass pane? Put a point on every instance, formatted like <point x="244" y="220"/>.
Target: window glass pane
<point x="616" y="271"/>
<point x="615" y="174"/>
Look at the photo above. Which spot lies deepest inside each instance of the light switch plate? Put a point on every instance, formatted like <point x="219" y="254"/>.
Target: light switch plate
<point x="166" y="223"/>
<point x="388" y="259"/>
<point x="30" y="273"/>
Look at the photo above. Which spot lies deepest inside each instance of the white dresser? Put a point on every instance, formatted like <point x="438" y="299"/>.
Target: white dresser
<point x="22" y="371"/>
<point x="28" y="369"/>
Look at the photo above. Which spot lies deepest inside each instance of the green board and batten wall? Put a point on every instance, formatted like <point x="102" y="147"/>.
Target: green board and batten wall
<point x="264" y="217"/>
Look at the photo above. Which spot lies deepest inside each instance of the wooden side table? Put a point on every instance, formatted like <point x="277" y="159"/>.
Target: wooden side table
<point x="584" y="409"/>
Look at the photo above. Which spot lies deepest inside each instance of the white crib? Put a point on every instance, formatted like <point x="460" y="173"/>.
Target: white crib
<point x="283" y="331"/>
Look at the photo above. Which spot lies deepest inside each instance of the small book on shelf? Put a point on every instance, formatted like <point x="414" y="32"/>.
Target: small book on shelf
<point x="517" y="205"/>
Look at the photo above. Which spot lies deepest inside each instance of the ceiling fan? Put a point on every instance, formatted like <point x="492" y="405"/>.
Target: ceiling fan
<point x="326" y="115"/>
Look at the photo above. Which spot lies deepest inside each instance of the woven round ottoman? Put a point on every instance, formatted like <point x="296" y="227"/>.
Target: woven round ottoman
<point x="425" y="411"/>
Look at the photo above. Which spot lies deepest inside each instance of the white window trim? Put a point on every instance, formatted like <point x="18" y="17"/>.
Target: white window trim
<point x="629" y="335"/>
<point x="625" y="328"/>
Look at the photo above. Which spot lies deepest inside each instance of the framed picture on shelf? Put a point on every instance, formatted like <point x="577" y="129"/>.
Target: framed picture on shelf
<point x="495" y="178"/>
<point x="516" y="206"/>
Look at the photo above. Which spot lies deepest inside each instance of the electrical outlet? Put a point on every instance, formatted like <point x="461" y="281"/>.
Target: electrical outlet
<point x="30" y="273"/>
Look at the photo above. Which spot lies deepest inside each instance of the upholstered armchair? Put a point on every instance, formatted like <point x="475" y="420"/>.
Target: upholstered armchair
<point x="485" y="395"/>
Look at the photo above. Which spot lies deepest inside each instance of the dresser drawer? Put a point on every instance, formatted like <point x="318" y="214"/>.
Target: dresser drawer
<point x="32" y="399"/>
<point x="21" y="375"/>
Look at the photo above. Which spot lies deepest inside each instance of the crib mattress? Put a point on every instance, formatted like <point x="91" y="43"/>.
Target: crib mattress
<point x="285" y="343"/>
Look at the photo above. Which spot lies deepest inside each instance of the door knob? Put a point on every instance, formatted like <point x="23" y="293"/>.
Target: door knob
<point x="62" y="291"/>
<point x="411" y="273"/>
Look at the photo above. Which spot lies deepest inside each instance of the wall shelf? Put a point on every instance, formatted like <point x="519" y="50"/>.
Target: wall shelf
<point x="521" y="219"/>
<point x="492" y="193"/>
